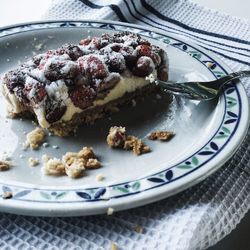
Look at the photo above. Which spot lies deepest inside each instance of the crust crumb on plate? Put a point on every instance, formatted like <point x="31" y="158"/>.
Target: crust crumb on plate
<point x="33" y="162"/>
<point x="136" y="145"/>
<point x="72" y="164"/>
<point x="99" y="177"/>
<point x="54" y="166"/>
<point x="5" y="165"/>
<point x="117" y="138"/>
<point x="161" y="135"/>
<point x="35" y="137"/>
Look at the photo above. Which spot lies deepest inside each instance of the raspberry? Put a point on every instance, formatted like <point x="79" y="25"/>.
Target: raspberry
<point x="55" y="69"/>
<point x="14" y="78"/>
<point x="93" y="66"/>
<point x="105" y="40"/>
<point x="144" y="66"/>
<point x="73" y="51"/>
<point x="35" y="92"/>
<point x="95" y="43"/>
<point x="116" y="62"/>
<point x="82" y="96"/>
<point x="108" y="82"/>
<point x="143" y="41"/>
<point x="130" y="55"/>
<point x="144" y="50"/>
<point x="85" y="41"/>
<point x="37" y="59"/>
<point x="54" y="111"/>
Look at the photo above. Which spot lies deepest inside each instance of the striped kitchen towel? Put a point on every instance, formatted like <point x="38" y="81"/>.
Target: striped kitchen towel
<point x="194" y="219"/>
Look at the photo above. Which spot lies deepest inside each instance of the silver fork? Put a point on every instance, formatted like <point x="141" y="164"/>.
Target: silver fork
<point x="201" y="90"/>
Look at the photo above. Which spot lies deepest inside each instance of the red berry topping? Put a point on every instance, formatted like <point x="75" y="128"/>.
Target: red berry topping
<point x="93" y="66"/>
<point x="144" y="66"/>
<point x="54" y="111"/>
<point x="82" y="96"/>
<point x="58" y="69"/>
<point x="73" y="51"/>
<point x="14" y="78"/>
<point x="85" y="41"/>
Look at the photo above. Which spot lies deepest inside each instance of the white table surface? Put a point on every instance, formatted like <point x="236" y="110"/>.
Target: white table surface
<point x="16" y="11"/>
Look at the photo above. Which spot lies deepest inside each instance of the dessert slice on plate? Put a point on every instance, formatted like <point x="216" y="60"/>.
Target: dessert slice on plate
<point x="77" y="84"/>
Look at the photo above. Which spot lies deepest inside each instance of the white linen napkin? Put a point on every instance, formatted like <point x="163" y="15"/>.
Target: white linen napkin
<point x="194" y="219"/>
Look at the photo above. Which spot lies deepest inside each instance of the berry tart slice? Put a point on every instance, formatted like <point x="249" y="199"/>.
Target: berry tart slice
<point x="77" y="84"/>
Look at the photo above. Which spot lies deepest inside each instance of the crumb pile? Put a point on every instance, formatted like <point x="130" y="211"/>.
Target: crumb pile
<point x="117" y="138"/>
<point x="72" y="164"/>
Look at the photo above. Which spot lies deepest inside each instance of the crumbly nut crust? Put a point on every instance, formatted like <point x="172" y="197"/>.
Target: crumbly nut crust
<point x="54" y="166"/>
<point x="35" y="137"/>
<point x="136" y="145"/>
<point x="92" y="164"/>
<point x="73" y="164"/>
<point x="33" y="161"/>
<point x="161" y="135"/>
<point x="117" y="138"/>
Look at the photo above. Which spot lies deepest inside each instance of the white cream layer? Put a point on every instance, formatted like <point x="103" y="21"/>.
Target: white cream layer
<point x="127" y="84"/>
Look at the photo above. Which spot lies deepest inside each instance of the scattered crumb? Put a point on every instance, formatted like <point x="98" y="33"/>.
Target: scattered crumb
<point x="7" y="60"/>
<point x="7" y="195"/>
<point x="4" y="165"/>
<point x="34" y="38"/>
<point x="92" y="164"/>
<point x="45" y="158"/>
<point x="72" y="164"/>
<point x="161" y="135"/>
<point x="110" y="211"/>
<point x="55" y="147"/>
<point x="33" y="162"/>
<point x="137" y="145"/>
<point x="116" y="137"/>
<point x="76" y="163"/>
<point x="114" y="246"/>
<point x="138" y="229"/>
<point x="50" y="134"/>
<point x="35" y="137"/>
<point x="21" y="156"/>
<point x="99" y="177"/>
<point x="150" y="77"/>
<point x="54" y="167"/>
<point x="45" y="144"/>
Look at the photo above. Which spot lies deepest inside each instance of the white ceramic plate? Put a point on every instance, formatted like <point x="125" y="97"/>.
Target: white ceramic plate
<point x="207" y="133"/>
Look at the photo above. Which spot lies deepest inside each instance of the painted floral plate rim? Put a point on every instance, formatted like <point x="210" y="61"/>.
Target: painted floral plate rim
<point x="69" y="202"/>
